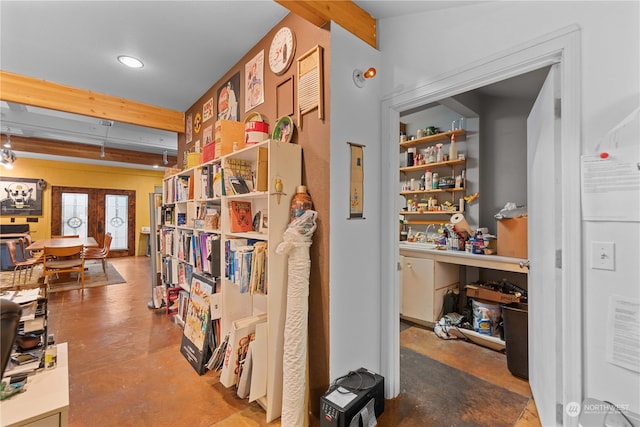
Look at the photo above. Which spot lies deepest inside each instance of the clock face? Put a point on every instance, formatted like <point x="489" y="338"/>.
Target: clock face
<point x="281" y="52"/>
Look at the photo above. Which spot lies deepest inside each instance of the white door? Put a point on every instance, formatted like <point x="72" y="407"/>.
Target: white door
<point x="544" y="284"/>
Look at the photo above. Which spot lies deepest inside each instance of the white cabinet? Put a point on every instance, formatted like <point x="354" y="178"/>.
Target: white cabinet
<point x="424" y="283"/>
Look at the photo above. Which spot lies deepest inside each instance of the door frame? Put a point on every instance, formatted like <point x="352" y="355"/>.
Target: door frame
<point x="562" y="46"/>
<point x="130" y="251"/>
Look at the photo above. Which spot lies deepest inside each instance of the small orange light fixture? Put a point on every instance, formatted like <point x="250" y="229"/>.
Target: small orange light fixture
<point x="359" y="77"/>
<point x="371" y="72"/>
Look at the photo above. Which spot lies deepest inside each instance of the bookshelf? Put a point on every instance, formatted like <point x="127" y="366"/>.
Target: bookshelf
<point x="203" y="207"/>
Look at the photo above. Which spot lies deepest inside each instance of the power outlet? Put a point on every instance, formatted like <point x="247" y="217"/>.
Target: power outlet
<point x="603" y="256"/>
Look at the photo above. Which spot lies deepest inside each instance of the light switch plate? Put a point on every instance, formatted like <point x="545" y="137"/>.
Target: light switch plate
<point x="603" y="256"/>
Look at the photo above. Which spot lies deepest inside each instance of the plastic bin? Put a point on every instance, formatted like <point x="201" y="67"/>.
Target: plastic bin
<point x="515" y="318"/>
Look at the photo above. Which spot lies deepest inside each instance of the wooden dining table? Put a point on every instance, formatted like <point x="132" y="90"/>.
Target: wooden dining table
<point x="62" y="242"/>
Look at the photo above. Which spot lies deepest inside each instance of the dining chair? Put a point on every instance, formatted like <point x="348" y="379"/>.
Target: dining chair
<point x="18" y="263"/>
<point x="100" y="253"/>
<point x="24" y="243"/>
<point x="69" y="259"/>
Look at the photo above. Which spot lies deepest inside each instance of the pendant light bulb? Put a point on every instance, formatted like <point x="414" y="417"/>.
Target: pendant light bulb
<point x="102" y="151"/>
<point x="7" y="143"/>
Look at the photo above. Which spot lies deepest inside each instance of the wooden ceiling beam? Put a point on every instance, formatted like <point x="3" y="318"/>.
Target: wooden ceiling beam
<point x="85" y="151"/>
<point x="45" y="94"/>
<point x="345" y="13"/>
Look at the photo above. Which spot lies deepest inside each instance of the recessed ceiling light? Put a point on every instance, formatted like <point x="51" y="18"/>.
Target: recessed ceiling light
<point x="130" y="61"/>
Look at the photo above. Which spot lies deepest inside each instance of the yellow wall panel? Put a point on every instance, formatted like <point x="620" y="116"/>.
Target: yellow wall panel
<point x="69" y="174"/>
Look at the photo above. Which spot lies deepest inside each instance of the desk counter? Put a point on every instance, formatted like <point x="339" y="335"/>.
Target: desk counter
<point x="495" y="262"/>
<point x="45" y="402"/>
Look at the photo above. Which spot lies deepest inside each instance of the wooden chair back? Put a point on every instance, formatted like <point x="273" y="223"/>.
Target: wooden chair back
<point x="66" y="259"/>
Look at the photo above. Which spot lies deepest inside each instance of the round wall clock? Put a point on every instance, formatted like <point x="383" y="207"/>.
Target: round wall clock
<point x="281" y="51"/>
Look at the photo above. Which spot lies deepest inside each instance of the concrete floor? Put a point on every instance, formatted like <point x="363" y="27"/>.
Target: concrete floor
<point x="126" y="369"/>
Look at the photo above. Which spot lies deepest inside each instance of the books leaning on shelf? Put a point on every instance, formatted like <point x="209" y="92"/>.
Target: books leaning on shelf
<point x="211" y="181"/>
<point x="246" y="265"/>
<point x="239" y="185"/>
<point x="235" y="168"/>
<point x="242" y="331"/>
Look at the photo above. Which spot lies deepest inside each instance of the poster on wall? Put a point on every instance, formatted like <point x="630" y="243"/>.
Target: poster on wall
<point x="207" y="110"/>
<point x="20" y="196"/>
<point x="356" y="187"/>
<point x="254" y="82"/>
<point x="189" y="128"/>
<point x="228" y="95"/>
<point x="197" y="325"/>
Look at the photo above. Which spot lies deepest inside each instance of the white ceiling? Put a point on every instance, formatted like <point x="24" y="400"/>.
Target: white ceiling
<point x="186" y="47"/>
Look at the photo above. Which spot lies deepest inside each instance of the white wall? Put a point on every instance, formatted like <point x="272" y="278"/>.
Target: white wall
<point x="354" y="292"/>
<point x="417" y="49"/>
<point x="503" y="149"/>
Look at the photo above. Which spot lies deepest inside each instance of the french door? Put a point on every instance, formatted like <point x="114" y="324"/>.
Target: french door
<point x="93" y="212"/>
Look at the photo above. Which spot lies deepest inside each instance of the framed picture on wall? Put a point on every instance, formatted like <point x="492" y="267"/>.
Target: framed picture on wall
<point x="254" y="82"/>
<point x="20" y="197"/>
<point x="228" y="96"/>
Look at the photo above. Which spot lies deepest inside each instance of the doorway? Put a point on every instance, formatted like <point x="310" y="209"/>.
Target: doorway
<point x="93" y="212"/>
<point x="561" y="47"/>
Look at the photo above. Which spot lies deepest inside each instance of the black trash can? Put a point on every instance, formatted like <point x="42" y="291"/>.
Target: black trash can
<point x="515" y="317"/>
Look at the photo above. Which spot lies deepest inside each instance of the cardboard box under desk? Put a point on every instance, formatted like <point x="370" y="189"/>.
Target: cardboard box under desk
<point x="512" y="237"/>
<point x="476" y="292"/>
<point x="226" y="133"/>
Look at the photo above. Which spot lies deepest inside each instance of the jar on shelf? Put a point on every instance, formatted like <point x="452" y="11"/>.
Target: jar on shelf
<point x="300" y="202"/>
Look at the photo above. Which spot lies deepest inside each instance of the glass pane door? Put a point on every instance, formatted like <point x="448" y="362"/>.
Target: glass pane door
<point x="93" y="212"/>
<point x="116" y="220"/>
<point x="75" y="208"/>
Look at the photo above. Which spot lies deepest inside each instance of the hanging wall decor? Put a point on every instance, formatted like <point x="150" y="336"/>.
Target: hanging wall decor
<point x="189" y="128"/>
<point x="20" y="196"/>
<point x="207" y="110"/>
<point x="356" y="187"/>
<point x="254" y="82"/>
<point x="228" y="95"/>
<point x="310" y="83"/>
<point x="284" y="98"/>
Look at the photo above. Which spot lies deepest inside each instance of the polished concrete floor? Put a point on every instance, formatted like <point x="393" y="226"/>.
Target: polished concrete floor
<point x="125" y="367"/>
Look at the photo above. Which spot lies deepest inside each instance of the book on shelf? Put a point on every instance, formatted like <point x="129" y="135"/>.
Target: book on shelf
<point x="205" y="181"/>
<point x="210" y="253"/>
<point x="218" y="186"/>
<point x="239" y="338"/>
<point x="183" y="300"/>
<point x="242" y="274"/>
<point x="240" y="218"/>
<point x="257" y="281"/>
<point x="211" y="219"/>
<point x="238" y="168"/>
<point x="239" y="185"/>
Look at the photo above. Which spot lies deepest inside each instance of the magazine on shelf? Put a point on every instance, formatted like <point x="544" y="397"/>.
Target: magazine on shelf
<point x="240" y="218"/>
